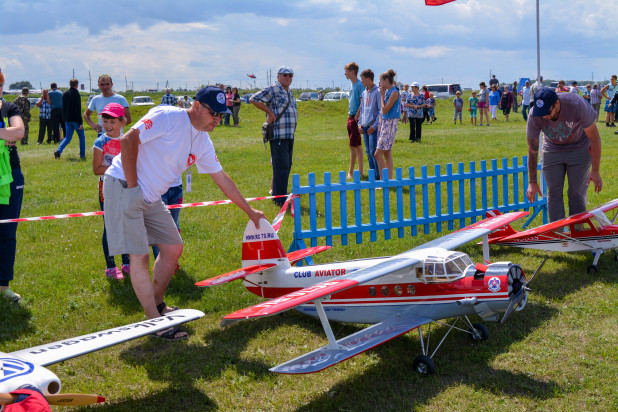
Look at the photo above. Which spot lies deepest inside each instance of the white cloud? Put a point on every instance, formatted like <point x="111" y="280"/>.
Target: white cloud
<point x="430" y="52"/>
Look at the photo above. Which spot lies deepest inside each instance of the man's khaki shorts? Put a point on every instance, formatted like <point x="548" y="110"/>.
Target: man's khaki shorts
<point x="132" y="224"/>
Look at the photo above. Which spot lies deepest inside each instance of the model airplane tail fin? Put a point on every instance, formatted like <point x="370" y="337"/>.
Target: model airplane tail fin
<point x="262" y="246"/>
<point x="261" y="250"/>
<point x="501" y="232"/>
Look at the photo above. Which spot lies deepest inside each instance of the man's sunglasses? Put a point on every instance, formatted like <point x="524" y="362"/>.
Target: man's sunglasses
<point x="212" y="112"/>
<point x="287" y="75"/>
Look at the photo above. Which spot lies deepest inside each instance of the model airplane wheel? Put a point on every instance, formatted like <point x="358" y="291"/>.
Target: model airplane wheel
<point x="479" y="332"/>
<point x="424" y="365"/>
<point x="593" y="269"/>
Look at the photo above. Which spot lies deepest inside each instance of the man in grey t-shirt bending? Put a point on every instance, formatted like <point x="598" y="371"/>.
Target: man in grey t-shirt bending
<point x="571" y="148"/>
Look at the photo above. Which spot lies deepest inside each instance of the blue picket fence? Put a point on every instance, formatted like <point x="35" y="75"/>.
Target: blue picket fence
<point x="407" y="203"/>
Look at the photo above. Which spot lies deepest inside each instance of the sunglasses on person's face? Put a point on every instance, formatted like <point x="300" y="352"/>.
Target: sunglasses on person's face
<point x="287" y="75"/>
<point x="212" y="112"/>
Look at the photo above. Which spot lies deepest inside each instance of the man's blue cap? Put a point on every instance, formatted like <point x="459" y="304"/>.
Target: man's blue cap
<point x="285" y="70"/>
<point x="213" y="97"/>
<point x="544" y="99"/>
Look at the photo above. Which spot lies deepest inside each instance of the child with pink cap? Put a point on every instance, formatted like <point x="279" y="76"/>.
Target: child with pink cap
<point x="105" y="148"/>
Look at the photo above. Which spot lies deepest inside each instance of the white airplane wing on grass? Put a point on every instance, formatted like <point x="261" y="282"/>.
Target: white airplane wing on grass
<point x="50" y="353"/>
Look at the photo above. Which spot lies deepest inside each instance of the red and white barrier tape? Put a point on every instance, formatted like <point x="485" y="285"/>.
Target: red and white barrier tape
<point x="211" y="203"/>
<point x="279" y="218"/>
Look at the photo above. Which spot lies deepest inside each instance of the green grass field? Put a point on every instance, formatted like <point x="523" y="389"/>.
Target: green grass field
<point x="559" y="353"/>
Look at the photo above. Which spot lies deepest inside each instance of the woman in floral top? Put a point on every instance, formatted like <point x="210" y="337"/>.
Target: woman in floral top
<point x="415" y="105"/>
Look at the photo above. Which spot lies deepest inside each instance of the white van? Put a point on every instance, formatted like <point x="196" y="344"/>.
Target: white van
<point x="444" y="91"/>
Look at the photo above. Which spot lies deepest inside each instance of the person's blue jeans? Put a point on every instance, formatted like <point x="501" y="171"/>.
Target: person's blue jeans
<point x="74" y="126"/>
<point x="524" y="111"/>
<point x="173" y="196"/>
<point x="8" y="231"/>
<point x="227" y="116"/>
<point x="371" y="143"/>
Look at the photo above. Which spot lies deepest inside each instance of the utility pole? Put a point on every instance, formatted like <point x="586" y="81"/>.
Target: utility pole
<point x="90" y="80"/>
<point x="126" y="84"/>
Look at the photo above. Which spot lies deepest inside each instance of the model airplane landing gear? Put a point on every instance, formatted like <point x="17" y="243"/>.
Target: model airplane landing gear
<point x="594" y="268"/>
<point x="424" y="363"/>
<point x="479" y="332"/>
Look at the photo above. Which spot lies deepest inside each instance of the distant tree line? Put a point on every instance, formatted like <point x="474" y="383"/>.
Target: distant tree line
<point x="20" y="85"/>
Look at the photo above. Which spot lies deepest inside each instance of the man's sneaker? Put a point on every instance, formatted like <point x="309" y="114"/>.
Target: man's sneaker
<point x="10" y="295"/>
<point x="126" y="268"/>
<point x="114" y="273"/>
<point x="57" y="154"/>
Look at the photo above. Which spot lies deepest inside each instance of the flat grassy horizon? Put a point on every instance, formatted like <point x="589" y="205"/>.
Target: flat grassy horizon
<point x="558" y="353"/>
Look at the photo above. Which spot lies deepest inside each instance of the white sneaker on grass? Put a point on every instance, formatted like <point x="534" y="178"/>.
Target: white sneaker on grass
<point x="10" y="295"/>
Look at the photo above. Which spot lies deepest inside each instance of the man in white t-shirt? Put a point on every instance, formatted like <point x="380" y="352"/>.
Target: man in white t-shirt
<point x="158" y="149"/>
<point x="99" y="102"/>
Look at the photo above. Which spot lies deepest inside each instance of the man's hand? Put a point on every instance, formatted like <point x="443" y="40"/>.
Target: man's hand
<point x="271" y="118"/>
<point x="533" y="189"/>
<point x="597" y="180"/>
<point x="255" y="216"/>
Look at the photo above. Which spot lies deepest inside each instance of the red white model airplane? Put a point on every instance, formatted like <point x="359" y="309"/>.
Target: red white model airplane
<point x="396" y="294"/>
<point x="588" y="231"/>
<point x="27" y="366"/>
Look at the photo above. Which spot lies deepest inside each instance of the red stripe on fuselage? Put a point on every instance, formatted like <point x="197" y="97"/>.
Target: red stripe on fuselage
<point x="263" y="249"/>
<point x="467" y="285"/>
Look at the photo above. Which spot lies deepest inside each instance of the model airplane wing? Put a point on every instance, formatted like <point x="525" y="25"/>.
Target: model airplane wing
<point x="559" y="224"/>
<point x="474" y="231"/>
<point x="299" y="255"/>
<point x="352" y="345"/>
<point x="236" y="274"/>
<point x="50" y="353"/>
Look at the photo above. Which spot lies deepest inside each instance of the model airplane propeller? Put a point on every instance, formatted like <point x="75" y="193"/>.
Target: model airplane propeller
<point x="520" y="289"/>
<point x="588" y="231"/>
<point x="395" y="294"/>
<point x="27" y="366"/>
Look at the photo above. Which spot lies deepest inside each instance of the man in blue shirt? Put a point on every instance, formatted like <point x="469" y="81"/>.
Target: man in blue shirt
<point x="106" y="97"/>
<point x="356" y="91"/>
<point x="55" y="96"/>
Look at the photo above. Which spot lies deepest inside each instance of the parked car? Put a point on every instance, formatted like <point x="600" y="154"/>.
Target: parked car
<point x="443" y="91"/>
<point x="335" y="96"/>
<point x="142" y="101"/>
<point x="90" y="99"/>
<point x="245" y="98"/>
<point x="33" y="101"/>
<point x="304" y="96"/>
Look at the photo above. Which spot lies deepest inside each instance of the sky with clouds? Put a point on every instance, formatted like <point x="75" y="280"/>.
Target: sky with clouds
<point x="192" y="42"/>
